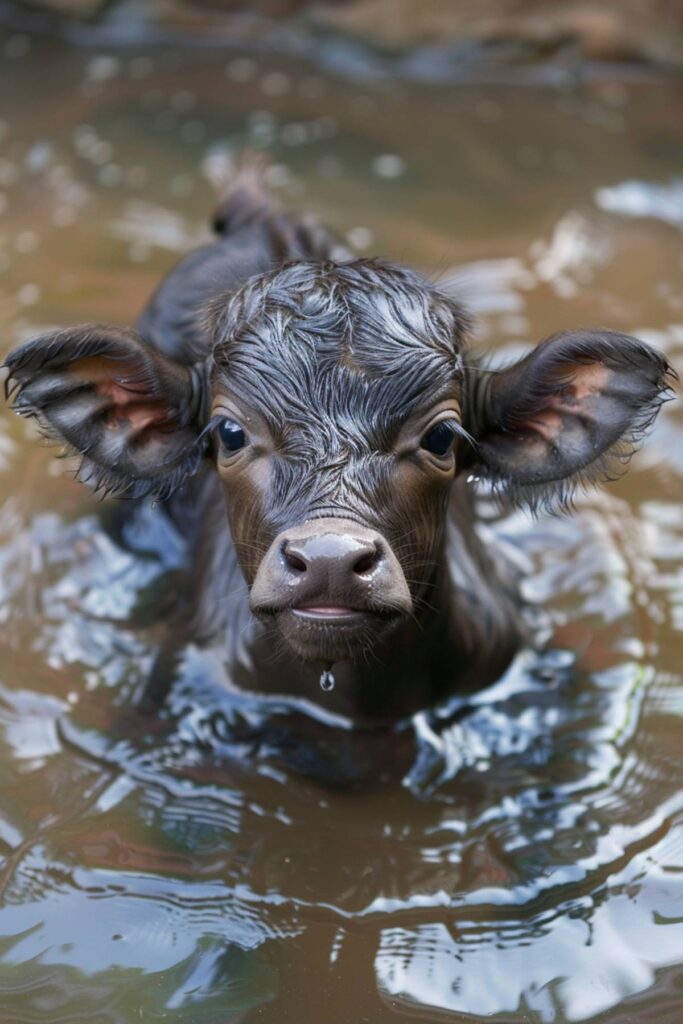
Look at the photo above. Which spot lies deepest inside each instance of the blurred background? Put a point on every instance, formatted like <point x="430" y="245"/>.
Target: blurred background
<point x="529" y="156"/>
<point x="545" y="136"/>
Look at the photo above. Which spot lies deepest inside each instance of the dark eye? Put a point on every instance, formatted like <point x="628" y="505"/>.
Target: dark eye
<point x="439" y="440"/>
<point x="231" y="434"/>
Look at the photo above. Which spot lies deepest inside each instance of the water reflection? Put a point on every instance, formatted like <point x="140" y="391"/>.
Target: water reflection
<point x="517" y="855"/>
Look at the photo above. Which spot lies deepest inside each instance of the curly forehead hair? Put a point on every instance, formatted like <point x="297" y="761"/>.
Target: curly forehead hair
<point x="367" y="314"/>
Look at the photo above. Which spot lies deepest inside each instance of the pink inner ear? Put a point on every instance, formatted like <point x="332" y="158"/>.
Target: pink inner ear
<point x="586" y="381"/>
<point x="130" y="402"/>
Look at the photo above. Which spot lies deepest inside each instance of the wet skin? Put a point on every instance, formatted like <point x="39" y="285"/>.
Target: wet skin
<point x="333" y="410"/>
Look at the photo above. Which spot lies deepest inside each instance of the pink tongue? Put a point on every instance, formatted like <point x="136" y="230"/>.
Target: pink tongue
<point x="328" y="610"/>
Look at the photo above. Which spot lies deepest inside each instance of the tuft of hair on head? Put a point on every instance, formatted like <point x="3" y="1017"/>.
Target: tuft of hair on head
<point x="371" y="299"/>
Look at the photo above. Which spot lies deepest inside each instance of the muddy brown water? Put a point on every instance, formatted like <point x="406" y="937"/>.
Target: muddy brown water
<point x="520" y="857"/>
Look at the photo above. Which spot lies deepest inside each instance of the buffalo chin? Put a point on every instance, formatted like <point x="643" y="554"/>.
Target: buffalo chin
<point x="335" y="637"/>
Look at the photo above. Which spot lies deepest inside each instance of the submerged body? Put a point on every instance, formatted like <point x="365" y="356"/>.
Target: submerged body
<point x="332" y="408"/>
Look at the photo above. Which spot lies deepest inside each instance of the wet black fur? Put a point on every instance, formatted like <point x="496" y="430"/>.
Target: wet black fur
<point x="321" y="350"/>
<point x="334" y="353"/>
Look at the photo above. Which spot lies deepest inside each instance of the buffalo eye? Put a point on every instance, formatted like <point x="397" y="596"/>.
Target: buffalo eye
<point x="439" y="440"/>
<point x="232" y="435"/>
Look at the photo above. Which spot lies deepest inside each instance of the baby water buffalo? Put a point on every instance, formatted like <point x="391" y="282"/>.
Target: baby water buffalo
<point x="331" y="410"/>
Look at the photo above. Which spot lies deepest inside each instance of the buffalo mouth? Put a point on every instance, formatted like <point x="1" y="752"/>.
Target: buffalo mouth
<point x="334" y="632"/>
<point x="331" y="587"/>
<point x="329" y="614"/>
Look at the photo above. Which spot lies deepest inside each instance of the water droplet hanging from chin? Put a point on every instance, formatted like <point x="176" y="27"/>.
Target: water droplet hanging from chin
<point x="327" y="681"/>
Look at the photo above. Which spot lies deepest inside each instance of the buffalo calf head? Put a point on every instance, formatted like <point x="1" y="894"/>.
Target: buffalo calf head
<point x="337" y="403"/>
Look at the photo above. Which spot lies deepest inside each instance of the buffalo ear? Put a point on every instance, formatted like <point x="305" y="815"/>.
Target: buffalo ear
<point x="132" y="414"/>
<point x="571" y="412"/>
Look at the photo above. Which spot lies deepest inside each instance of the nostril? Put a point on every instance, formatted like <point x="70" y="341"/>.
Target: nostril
<point x="367" y="561"/>
<point x="293" y="560"/>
